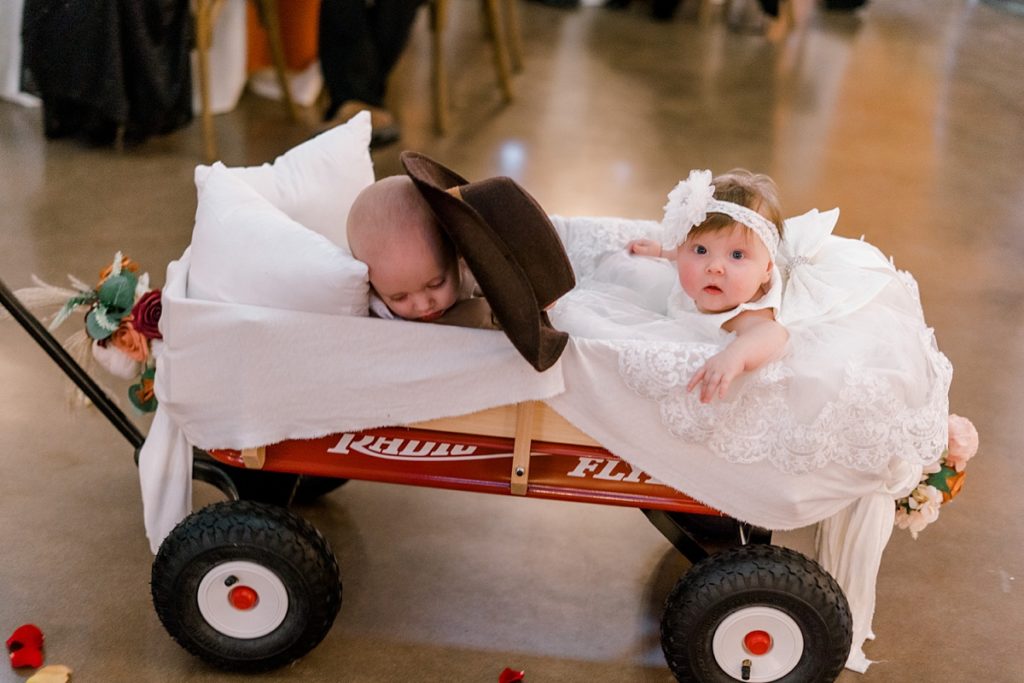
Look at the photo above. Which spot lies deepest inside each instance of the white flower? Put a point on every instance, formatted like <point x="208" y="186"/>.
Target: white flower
<point x="914" y="521"/>
<point x="903" y="518"/>
<point x="687" y="205"/>
<point x="113" y="361"/>
<point x="925" y="496"/>
<point x="924" y="503"/>
<point x="142" y="286"/>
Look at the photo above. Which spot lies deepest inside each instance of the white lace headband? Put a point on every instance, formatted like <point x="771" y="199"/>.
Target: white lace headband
<point x="694" y="198"/>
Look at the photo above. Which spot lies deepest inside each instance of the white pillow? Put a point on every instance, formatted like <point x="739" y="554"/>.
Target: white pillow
<point x="316" y="182"/>
<point x="247" y="251"/>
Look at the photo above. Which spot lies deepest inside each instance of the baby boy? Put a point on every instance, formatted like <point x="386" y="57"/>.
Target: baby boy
<point x="414" y="271"/>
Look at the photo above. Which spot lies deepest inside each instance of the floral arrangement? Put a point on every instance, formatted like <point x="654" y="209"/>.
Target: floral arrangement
<point x="941" y="481"/>
<point x="121" y="323"/>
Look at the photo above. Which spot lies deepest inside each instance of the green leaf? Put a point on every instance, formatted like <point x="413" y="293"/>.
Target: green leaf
<point x="938" y="479"/>
<point x="93" y="327"/>
<point x="69" y="307"/>
<point x="147" y="406"/>
<point x="118" y="291"/>
<point x="135" y="392"/>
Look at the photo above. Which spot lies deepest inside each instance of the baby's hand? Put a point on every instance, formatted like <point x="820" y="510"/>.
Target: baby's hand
<point x="644" y="247"/>
<point x="717" y="374"/>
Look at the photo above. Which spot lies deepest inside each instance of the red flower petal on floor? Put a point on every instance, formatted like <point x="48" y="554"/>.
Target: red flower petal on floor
<point x="26" y="635"/>
<point x="510" y="676"/>
<point x="27" y="656"/>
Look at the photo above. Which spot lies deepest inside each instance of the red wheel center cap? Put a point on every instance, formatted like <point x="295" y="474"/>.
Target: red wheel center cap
<point x="757" y="642"/>
<point x="243" y="598"/>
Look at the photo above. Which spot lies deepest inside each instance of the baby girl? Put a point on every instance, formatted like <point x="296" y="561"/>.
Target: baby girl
<point x="726" y="231"/>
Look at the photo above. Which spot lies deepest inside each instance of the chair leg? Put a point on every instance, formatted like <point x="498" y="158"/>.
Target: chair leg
<point x="438" y="20"/>
<point x="268" y="10"/>
<point x="779" y="28"/>
<point x="205" y="11"/>
<point x="706" y="11"/>
<point x="515" y="37"/>
<point x="500" y="48"/>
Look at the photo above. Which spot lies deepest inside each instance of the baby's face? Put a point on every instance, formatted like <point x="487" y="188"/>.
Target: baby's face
<point x="723" y="269"/>
<point x="414" y="284"/>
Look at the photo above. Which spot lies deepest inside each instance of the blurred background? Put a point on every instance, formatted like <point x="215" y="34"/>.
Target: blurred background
<point x="906" y="114"/>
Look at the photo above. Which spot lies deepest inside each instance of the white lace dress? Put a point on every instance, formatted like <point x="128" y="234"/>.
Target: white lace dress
<point x="861" y="379"/>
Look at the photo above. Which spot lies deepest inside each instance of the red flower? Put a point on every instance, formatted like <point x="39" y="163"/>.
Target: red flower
<point x="146" y="315"/>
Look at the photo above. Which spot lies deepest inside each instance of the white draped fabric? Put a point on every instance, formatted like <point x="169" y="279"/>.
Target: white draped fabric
<point x="238" y="376"/>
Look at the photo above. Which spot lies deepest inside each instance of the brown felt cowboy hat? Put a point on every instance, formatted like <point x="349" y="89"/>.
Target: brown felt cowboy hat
<point x="510" y="246"/>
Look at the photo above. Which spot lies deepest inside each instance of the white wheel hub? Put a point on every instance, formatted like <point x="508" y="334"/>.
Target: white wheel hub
<point x="242" y="599"/>
<point x="766" y="637"/>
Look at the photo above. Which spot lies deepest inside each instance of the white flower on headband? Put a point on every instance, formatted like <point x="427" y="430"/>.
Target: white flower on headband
<point x="694" y="198"/>
<point x="687" y="205"/>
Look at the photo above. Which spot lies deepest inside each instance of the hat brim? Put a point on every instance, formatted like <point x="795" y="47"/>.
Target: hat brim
<point x="508" y="247"/>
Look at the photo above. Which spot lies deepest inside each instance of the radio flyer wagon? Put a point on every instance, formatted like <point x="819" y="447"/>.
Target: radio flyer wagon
<point x="246" y="584"/>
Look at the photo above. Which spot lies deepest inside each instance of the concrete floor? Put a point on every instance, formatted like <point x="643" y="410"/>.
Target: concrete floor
<point x="908" y="115"/>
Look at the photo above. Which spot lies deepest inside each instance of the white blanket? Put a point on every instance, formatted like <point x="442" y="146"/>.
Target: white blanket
<point x="236" y="376"/>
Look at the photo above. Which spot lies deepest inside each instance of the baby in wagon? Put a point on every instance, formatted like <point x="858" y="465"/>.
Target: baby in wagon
<point x="440" y="248"/>
<point x="728" y="238"/>
<point x="414" y="270"/>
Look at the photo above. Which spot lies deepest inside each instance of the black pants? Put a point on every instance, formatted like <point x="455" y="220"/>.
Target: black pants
<point x="359" y="45"/>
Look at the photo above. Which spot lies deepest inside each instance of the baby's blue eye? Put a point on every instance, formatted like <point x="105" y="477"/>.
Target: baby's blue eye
<point x="700" y="249"/>
<point x="737" y="254"/>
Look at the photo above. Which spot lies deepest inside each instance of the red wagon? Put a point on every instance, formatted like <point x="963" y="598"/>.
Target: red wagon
<point x="249" y="585"/>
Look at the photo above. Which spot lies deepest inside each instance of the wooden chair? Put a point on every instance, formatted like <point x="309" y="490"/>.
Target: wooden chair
<point x="502" y="19"/>
<point x="206" y="13"/>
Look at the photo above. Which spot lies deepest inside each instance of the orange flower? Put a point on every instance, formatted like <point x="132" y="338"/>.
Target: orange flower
<point x="955" y="483"/>
<point x="130" y="341"/>
<point x="144" y="392"/>
<point x="126" y="264"/>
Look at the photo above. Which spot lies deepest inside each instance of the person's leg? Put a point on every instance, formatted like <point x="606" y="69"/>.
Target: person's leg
<point x="348" y="55"/>
<point x="391" y="22"/>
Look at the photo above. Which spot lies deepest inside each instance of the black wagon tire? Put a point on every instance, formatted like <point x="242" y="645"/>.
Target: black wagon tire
<point x="768" y="607"/>
<point x="246" y="586"/>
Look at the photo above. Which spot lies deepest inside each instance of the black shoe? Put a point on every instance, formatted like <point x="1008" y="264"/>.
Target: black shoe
<point x="384" y="136"/>
<point x="664" y="10"/>
<point x="560" y="4"/>
<point x="382" y="122"/>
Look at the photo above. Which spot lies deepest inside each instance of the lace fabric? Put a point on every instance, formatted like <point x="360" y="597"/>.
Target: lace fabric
<point x="587" y="240"/>
<point x="862" y="427"/>
<point x="862" y="380"/>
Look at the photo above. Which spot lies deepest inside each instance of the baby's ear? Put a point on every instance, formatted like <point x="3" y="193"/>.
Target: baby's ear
<point x="768" y="273"/>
